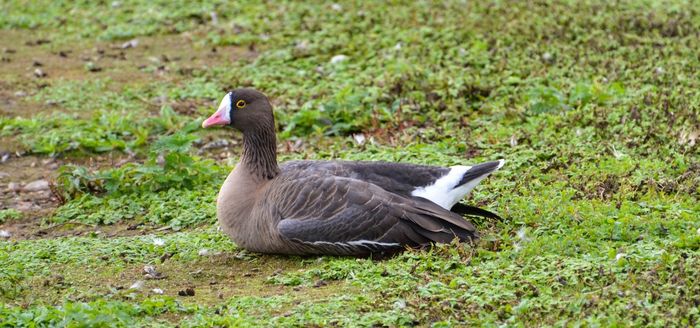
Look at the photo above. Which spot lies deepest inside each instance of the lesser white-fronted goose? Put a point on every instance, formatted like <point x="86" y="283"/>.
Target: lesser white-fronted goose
<point x="335" y="207"/>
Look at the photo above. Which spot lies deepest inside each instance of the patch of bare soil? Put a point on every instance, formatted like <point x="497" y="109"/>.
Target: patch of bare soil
<point x="211" y="280"/>
<point x="29" y="63"/>
<point x="25" y="186"/>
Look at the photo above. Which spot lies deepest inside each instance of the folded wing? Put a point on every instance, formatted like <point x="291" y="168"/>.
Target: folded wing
<point x="338" y="215"/>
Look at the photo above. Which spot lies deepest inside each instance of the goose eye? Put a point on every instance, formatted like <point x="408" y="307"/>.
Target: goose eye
<point x="240" y="103"/>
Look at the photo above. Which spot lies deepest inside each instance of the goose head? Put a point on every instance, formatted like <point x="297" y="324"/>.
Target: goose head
<point x="244" y="110"/>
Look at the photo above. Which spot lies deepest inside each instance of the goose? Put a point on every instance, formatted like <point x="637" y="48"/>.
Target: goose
<point x="344" y="208"/>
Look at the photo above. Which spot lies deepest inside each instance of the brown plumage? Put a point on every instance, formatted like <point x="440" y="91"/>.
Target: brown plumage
<point x="335" y="207"/>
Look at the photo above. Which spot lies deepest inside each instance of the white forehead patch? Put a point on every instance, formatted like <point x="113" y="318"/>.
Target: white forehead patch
<point x="225" y="107"/>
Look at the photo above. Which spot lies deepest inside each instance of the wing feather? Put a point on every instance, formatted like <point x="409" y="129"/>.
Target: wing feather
<point x="346" y="216"/>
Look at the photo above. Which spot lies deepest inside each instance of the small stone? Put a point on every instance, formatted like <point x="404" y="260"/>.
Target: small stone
<point x="165" y="257"/>
<point x="130" y="44"/>
<point x="4" y="175"/>
<point x="338" y="59"/>
<point x="39" y="73"/>
<point x="203" y="252"/>
<point x="137" y="285"/>
<point x="336" y="7"/>
<point x="359" y="138"/>
<point x="513" y="141"/>
<point x="620" y="256"/>
<point x="547" y="57"/>
<point x="13" y="186"/>
<point x="157" y="291"/>
<point x="20" y="94"/>
<point x="158" y="242"/>
<point x="37" y="185"/>
<point x="151" y="273"/>
<point x="149" y="269"/>
<point x="320" y="283"/>
<point x="659" y="70"/>
<point x="92" y="67"/>
<point x="220" y="143"/>
<point x="5" y="234"/>
<point x="25" y="206"/>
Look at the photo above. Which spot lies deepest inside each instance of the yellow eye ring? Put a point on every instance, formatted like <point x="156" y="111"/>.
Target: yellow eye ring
<point x="240" y="103"/>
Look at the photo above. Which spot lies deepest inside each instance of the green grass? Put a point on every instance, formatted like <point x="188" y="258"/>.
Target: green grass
<point x="594" y="105"/>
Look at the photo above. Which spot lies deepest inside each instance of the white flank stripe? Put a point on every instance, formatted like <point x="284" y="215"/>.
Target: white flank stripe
<point x="362" y="242"/>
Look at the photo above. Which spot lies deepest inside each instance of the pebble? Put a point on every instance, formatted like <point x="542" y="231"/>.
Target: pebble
<point x="130" y="44"/>
<point x="25" y="206"/>
<point x="37" y="185"/>
<point x="547" y="57"/>
<point x="338" y="59"/>
<point x="92" y="67"/>
<point x="20" y="94"/>
<point x="221" y="143"/>
<point x="137" y="285"/>
<point x="4" y="175"/>
<point x="13" y="186"/>
<point x="5" y="234"/>
<point x="39" y="73"/>
<point x="157" y="291"/>
<point x="359" y="138"/>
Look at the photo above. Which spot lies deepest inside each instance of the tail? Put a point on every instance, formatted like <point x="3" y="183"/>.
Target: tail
<point x="456" y="184"/>
<point x="477" y="172"/>
<point x="469" y="180"/>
